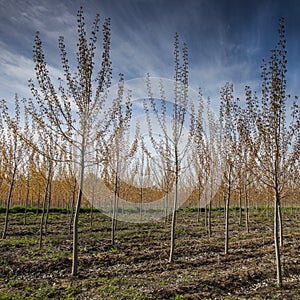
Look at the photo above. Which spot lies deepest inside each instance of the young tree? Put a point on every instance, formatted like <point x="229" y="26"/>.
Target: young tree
<point x="228" y="120"/>
<point x="159" y="162"/>
<point x="175" y="135"/>
<point x="114" y="154"/>
<point x="206" y="157"/>
<point x="274" y="143"/>
<point x="12" y="152"/>
<point x="199" y="159"/>
<point x="246" y="159"/>
<point x="70" y="113"/>
<point x="161" y="168"/>
<point x="216" y="158"/>
<point x="47" y="169"/>
<point x="28" y="166"/>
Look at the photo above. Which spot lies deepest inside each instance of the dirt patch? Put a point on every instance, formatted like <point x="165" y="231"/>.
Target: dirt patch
<point x="137" y="267"/>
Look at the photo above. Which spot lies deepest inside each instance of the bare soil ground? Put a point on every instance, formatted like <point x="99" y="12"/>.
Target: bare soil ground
<point x="137" y="267"/>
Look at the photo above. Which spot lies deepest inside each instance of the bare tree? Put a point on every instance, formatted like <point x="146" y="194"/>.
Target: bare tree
<point x="53" y="109"/>
<point x="228" y="120"/>
<point x="200" y="159"/>
<point x="175" y="135"/>
<point x="12" y="152"/>
<point x="114" y="154"/>
<point x="162" y="173"/>
<point x="161" y="164"/>
<point x="274" y="143"/>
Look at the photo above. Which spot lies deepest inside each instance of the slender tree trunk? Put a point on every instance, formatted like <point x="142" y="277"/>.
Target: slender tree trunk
<point x="44" y="208"/>
<point x="174" y="216"/>
<point x="167" y="207"/>
<point x="75" y="235"/>
<point x="205" y="214"/>
<point x="199" y="202"/>
<point x="247" y="208"/>
<point x="240" y="204"/>
<point x="92" y="207"/>
<point x="209" y="217"/>
<point x="227" y="212"/>
<point x="48" y="205"/>
<point x="141" y="204"/>
<point x="280" y="224"/>
<point x="38" y="201"/>
<point x="210" y="208"/>
<point x="227" y="221"/>
<point x="26" y="202"/>
<point x="114" y="213"/>
<point x="276" y="238"/>
<point x="77" y="212"/>
<point x="72" y="208"/>
<point x="8" y="202"/>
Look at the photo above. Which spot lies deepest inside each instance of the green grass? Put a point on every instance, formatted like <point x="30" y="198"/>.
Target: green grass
<point x="41" y="293"/>
<point x="21" y="209"/>
<point x="136" y="266"/>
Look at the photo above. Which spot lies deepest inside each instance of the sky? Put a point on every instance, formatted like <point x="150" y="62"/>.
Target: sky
<point x="226" y="40"/>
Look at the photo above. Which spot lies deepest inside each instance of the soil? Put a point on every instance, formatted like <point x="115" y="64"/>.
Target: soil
<point x="137" y="267"/>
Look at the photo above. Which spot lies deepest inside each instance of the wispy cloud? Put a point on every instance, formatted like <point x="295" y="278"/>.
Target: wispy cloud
<point x="145" y="44"/>
<point x="226" y="39"/>
<point x="16" y="70"/>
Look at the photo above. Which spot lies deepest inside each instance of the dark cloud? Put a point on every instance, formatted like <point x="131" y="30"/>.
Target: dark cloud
<point x="226" y="39"/>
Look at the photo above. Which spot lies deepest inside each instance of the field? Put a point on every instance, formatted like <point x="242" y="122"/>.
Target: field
<point x="137" y="267"/>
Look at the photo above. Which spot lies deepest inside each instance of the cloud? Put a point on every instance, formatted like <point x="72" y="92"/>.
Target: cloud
<point x="19" y="22"/>
<point x="16" y="70"/>
<point x="142" y="42"/>
<point x="226" y="39"/>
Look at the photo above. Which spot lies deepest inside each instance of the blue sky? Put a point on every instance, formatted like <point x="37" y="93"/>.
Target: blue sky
<point x="226" y="39"/>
